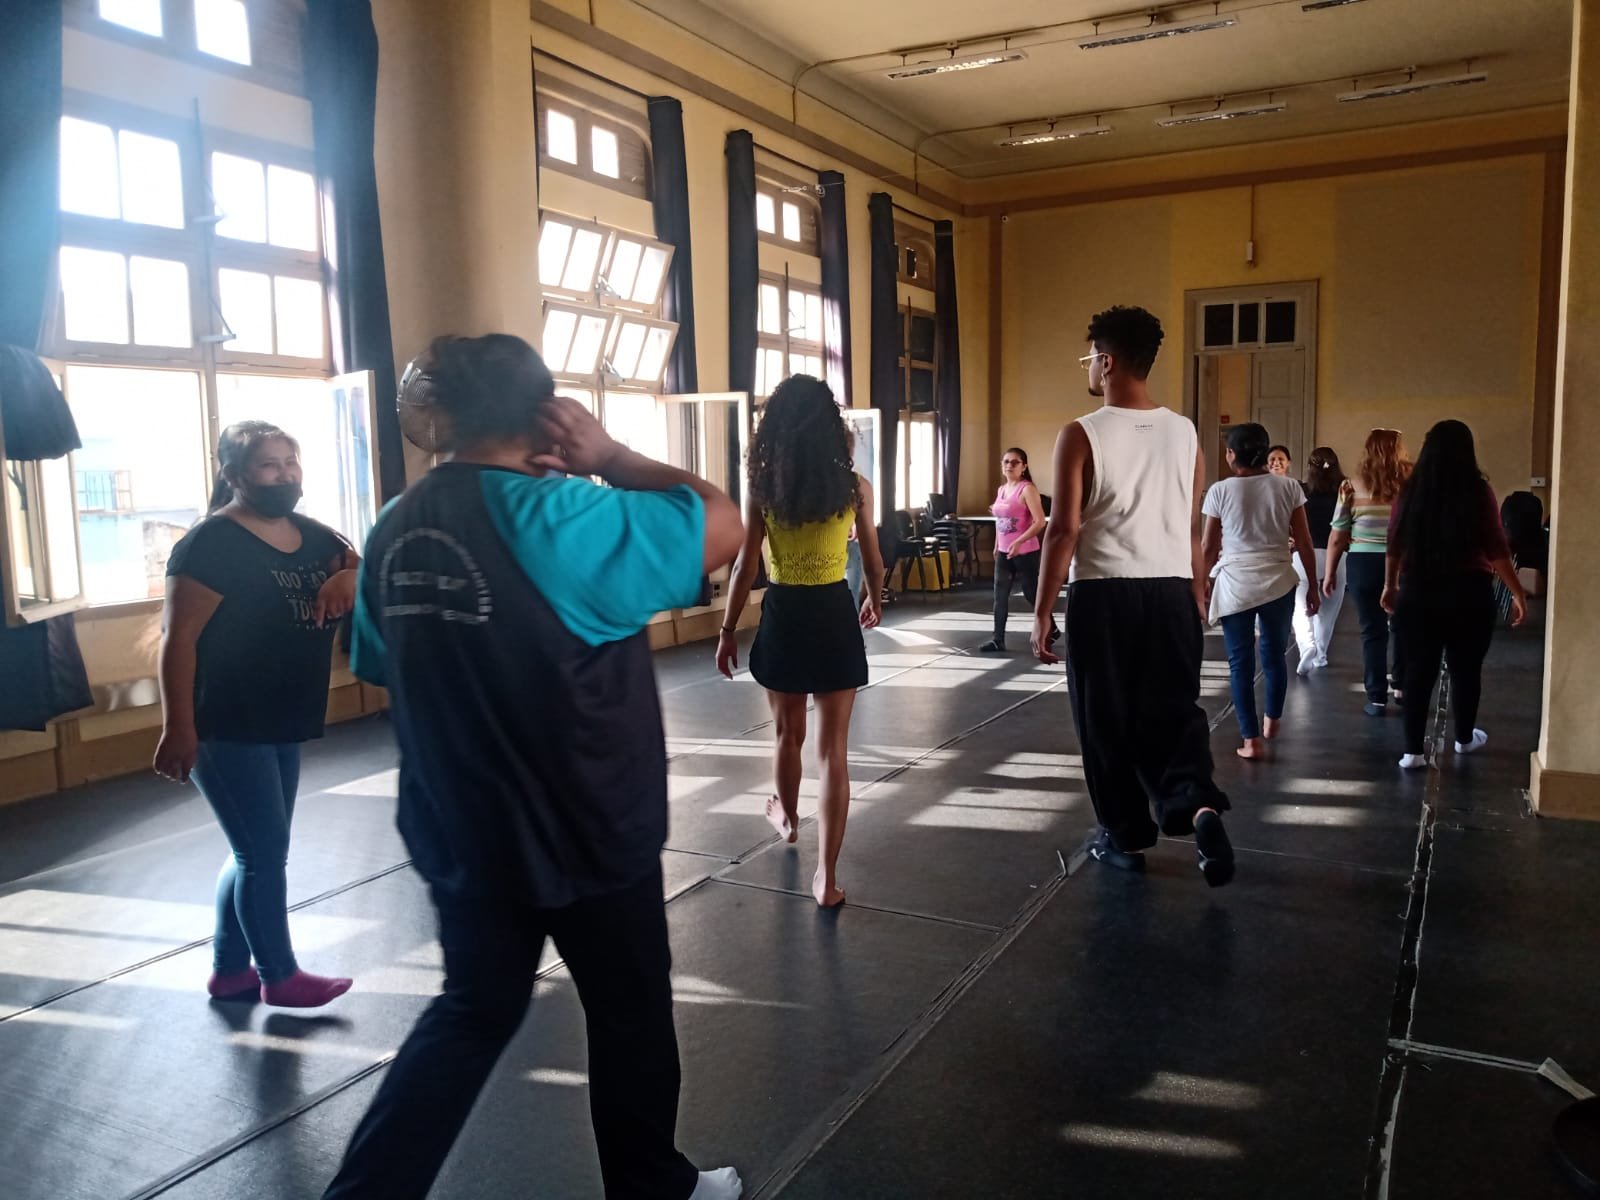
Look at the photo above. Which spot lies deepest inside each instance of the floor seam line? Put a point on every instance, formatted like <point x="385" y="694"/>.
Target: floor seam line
<point x="956" y="922"/>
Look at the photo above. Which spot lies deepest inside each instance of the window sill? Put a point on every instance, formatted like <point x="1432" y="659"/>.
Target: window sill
<point x="128" y="608"/>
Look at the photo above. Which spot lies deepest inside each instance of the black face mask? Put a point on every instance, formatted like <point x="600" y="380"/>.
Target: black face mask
<point x="272" y="500"/>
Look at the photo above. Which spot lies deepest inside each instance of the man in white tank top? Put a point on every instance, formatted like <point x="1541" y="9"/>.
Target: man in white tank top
<point x="1126" y="521"/>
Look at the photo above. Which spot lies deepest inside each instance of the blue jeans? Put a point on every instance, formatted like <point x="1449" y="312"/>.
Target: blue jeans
<point x="251" y="788"/>
<point x="854" y="573"/>
<point x="1276" y="618"/>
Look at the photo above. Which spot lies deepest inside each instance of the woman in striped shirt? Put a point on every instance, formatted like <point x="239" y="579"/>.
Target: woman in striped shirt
<point x="1361" y="528"/>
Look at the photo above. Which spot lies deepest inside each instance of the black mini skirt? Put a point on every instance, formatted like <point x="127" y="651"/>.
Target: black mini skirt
<point x="809" y="640"/>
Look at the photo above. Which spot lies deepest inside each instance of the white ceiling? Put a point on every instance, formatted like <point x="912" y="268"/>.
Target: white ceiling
<point x="1303" y="59"/>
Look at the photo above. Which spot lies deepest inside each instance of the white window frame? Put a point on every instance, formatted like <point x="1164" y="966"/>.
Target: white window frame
<point x="785" y="342"/>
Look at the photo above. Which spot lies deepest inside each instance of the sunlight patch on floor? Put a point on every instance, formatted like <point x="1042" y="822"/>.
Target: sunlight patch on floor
<point x="1170" y="1087"/>
<point x="1145" y="1141"/>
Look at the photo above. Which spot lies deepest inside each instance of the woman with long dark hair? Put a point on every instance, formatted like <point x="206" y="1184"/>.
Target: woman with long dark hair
<point x="1018" y="522"/>
<point x="1313" y="634"/>
<point x="803" y="497"/>
<point x="1252" y="519"/>
<point x="504" y="606"/>
<point x="1361" y="527"/>
<point x="1446" y="545"/>
<point x="254" y="593"/>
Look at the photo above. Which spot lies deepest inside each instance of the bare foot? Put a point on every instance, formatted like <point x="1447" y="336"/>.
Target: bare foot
<point x="786" y="825"/>
<point x="1270" y="727"/>
<point x="1254" y="749"/>
<point x="827" y="897"/>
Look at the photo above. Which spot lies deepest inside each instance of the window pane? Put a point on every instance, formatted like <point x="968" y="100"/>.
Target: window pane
<point x="1280" y="321"/>
<point x="587" y="344"/>
<point x="797" y="314"/>
<point x="624" y="268"/>
<point x="554" y="239"/>
<point x="94" y="292"/>
<point x="603" y="151"/>
<point x="814" y="366"/>
<point x="246" y="299"/>
<point x="1217" y="320"/>
<point x="222" y="28"/>
<point x="299" y="309"/>
<point x="797" y="364"/>
<point x="152" y="182"/>
<point x="922" y="463"/>
<point x="17" y="481"/>
<point x="582" y="395"/>
<point x="625" y="355"/>
<point x="559" y="326"/>
<point x="292" y="208"/>
<point x="61" y="543"/>
<point x="144" y="427"/>
<point x="239" y="188"/>
<point x="1249" y="323"/>
<point x="813" y="318"/>
<point x="770" y="299"/>
<point x="304" y="409"/>
<point x="88" y="169"/>
<point x="562" y="135"/>
<point x="584" y="262"/>
<point x="161" y="314"/>
<point x="638" y="422"/>
<point x="791" y="222"/>
<point x="653" y="361"/>
<point x="921" y="398"/>
<point x="647" y="288"/>
<point x="766" y="216"/>
<point x="923" y="338"/>
<point x="141" y="15"/>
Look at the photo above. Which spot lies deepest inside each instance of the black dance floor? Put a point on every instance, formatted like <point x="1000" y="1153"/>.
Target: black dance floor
<point x="989" y="1017"/>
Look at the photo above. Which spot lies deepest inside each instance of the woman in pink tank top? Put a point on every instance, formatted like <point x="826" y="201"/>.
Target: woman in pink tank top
<point x="1018" y="522"/>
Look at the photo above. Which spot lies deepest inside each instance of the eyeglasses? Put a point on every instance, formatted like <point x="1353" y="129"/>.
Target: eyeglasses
<point x="1089" y="358"/>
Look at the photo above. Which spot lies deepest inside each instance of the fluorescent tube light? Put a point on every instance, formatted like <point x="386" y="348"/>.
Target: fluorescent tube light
<point x="1221" y="114"/>
<point x="1316" y="4"/>
<point x="1154" y="32"/>
<point x="1413" y="85"/>
<point x="1055" y="135"/>
<point x="958" y="62"/>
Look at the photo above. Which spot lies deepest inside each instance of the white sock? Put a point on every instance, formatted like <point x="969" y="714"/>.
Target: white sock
<point x="721" y="1184"/>
<point x="1480" y="739"/>
<point x="1413" y="762"/>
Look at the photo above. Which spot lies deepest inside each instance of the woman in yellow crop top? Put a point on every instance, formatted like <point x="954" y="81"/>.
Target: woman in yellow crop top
<point x="803" y="498"/>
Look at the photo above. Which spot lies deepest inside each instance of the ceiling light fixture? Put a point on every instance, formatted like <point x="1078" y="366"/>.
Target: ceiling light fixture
<point x="956" y="62"/>
<point x="1053" y="134"/>
<point x="1220" y="113"/>
<point x="1154" y="31"/>
<point x="1412" y="85"/>
<point x="1318" y="4"/>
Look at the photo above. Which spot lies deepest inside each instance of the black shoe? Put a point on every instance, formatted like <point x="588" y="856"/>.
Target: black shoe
<point x="1373" y="709"/>
<point x="1103" y="849"/>
<point x="992" y="646"/>
<point x="1216" y="851"/>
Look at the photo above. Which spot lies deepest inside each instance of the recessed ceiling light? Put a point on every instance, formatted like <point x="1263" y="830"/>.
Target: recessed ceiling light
<point x="1316" y="4"/>
<point x="1413" y="85"/>
<point x="957" y="62"/>
<point x="1154" y="32"/>
<point x="1056" y="135"/>
<point x="1221" y="114"/>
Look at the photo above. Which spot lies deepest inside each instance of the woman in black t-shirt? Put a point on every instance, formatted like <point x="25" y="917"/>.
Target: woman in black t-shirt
<point x="254" y="593"/>
<point x="1324" y="477"/>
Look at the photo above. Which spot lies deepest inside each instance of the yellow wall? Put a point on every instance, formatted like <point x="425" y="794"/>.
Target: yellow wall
<point x="1428" y="297"/>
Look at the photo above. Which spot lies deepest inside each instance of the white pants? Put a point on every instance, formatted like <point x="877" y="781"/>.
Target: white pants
<point x="1314" y="633"/>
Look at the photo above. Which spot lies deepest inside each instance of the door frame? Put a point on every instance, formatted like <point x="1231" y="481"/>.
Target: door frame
<point x="1302" y="292"/>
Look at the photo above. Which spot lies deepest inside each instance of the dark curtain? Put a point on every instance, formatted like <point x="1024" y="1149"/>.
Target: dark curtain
<point x="30" y="149"/>
<point x="40" y="663"/>
<point x="671" y="204"/>
<point x="947" y="343"/>
<point x="835" y="284"/>
<point x="744" y="281"/>
<point x="888" y="384"/>
<point x="341" y="56"/>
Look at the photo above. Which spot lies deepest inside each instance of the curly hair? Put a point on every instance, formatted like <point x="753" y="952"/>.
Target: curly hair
<point x="1130" y="335"/>
<point x="1384" y="465"/>
<point x="800" y="469"/>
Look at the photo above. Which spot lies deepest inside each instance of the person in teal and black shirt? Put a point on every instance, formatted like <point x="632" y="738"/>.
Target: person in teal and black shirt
<point x="504" y="607"/>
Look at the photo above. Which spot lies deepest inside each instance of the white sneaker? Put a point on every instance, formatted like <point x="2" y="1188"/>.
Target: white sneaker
<point x="722" y="1184"/>
<point x="1480" y="739"/>
<point x="1413" y="762"/>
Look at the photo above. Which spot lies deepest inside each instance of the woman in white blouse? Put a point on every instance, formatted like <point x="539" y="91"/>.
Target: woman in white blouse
<point x="1251" y="520"/>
